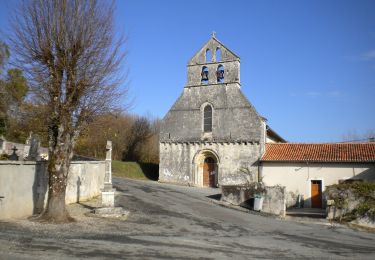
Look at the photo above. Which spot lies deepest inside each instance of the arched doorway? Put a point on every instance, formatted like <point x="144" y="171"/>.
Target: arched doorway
<point x="209" y="178"/>
<point x="206" y="168"/>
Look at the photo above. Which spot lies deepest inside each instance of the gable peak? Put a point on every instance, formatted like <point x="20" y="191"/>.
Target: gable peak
<point x="213" y="51"/>
<point x="214" y="63"/>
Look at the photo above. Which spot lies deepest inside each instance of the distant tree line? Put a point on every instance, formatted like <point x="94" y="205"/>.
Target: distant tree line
<point x="134" y="138"/>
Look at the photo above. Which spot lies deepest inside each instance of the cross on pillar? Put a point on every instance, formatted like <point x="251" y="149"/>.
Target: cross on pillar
<point x="108" y="192"/>
<point x="108" y="161"/>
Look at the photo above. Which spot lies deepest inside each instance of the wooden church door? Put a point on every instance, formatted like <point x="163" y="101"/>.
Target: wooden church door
<point x="209" y="172"/>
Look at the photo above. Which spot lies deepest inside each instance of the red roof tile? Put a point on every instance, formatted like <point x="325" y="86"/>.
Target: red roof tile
<point x="338" y="152"/>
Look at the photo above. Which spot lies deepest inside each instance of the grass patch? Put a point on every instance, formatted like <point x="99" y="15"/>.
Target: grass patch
<point x="135" y="170"/>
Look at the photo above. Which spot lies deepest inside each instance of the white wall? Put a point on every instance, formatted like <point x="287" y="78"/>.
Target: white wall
<point x="23" y="184"/>
<point x="297" y="177"/>
<point x="90" y="176"/>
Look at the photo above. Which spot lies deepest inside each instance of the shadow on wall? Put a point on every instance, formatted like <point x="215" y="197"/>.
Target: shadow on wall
<point x="368" y="175"/>
<point x="150" y="170"/>
<point x="78" y="188"/>
<point x="39" y="187"/>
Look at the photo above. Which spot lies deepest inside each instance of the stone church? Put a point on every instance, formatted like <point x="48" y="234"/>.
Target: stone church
<point x="212" y="135"/>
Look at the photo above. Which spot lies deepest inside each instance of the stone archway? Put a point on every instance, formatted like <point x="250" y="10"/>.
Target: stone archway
<point x="206" y="163"/>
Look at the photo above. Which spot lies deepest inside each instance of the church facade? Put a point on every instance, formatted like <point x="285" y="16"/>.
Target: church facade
<point x="212" y="135"/>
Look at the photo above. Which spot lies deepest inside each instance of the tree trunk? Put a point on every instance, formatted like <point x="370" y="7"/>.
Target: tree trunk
<point x="60" y="154"/>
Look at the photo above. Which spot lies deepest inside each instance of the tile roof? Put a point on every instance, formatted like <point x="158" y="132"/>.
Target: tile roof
<point x="336" y="152"/>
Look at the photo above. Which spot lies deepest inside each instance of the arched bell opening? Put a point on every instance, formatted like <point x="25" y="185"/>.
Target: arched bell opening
<point x="220" y="74"/>
<point x="204" y="75"/>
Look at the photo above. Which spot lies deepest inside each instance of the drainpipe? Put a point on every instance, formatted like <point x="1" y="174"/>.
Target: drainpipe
<point x="260" y="171"/>
<point x="308" y="170"/>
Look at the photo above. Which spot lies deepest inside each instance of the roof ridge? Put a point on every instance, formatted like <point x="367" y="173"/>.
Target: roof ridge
<point x="320" y="152"/>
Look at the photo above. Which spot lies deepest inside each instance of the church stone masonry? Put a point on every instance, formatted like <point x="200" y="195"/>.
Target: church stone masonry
<point x="212" y="135"/>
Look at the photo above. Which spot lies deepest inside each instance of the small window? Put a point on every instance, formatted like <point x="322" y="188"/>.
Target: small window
<point x="220" y="74"/>
<point x="204" y="75"/>
<point x="207" y="119"/>
<point x="208" y="56"/>
<point x="218" y="54"/>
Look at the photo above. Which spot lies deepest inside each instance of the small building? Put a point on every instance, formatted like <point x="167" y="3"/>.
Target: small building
<point x="306" y="169"/>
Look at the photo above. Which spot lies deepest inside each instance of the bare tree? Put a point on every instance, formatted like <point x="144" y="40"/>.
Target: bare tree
<point x="72" y="58"/>
<point x="354" y="136"/>
<point x="140" y="133"/>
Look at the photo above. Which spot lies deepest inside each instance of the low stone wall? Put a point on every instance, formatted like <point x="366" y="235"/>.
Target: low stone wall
<point x="274" y="200"/>
<point x="273" y="203"/>
<point x="23" y="185"/>
<point x="352" y="202"/>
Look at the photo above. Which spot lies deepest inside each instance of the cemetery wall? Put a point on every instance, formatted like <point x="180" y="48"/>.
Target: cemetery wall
<point x="23" y="185"/>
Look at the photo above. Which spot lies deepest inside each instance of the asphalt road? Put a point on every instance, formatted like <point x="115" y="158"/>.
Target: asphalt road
<point x="175" y="222"/>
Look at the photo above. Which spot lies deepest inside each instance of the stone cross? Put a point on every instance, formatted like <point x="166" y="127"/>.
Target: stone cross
<point x="213" y="34"/>
<point x="108" y="192"/>
<point x="108" y="163"/>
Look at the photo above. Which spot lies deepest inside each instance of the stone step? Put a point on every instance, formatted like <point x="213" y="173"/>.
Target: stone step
<point x="307" y="212"/>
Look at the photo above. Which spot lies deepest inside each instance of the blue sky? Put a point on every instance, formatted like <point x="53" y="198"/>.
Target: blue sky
<point x="307" y="66"/>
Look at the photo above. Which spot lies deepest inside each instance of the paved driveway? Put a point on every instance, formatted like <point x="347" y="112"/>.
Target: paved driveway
<point x="174" y="222"/>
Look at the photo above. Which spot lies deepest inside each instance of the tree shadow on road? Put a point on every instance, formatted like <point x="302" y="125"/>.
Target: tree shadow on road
<point x="215" y="196"/>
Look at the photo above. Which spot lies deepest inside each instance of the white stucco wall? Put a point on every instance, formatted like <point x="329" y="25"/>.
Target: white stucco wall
<point x="297" y="177"/>
<point x="23" y="184"/>
<point x="89" y="176"/>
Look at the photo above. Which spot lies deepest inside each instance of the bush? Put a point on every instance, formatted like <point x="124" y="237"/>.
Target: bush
<point x="4" y="157"/>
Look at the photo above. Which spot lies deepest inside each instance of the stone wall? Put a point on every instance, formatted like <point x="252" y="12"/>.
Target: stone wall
<point x="179" y="162"/>
<point x="6" y="147"/>
<point x="352" y="202"/>
<point x="23" y="185"/>
<point x="273" y="203"/>
<point x="274" y="200"/>
<point x="233" y="117"/>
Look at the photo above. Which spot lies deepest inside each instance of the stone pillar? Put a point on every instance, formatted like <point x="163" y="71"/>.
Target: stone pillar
<point x="108" y="165"/>
<point x="108" y="192"/>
